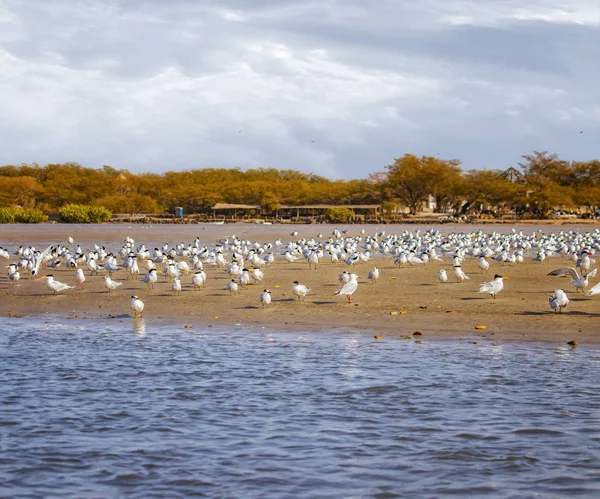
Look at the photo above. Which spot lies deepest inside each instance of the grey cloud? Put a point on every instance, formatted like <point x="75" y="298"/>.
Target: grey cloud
<point x="327" y="86"/>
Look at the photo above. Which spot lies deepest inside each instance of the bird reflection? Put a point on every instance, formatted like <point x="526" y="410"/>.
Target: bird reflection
<point x="139" y="326"/>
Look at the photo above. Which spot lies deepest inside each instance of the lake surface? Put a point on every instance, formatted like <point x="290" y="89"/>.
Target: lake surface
<point x="132" y="409"/>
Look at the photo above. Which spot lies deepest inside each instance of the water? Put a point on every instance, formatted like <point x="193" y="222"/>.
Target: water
<point x="127" y="409"/>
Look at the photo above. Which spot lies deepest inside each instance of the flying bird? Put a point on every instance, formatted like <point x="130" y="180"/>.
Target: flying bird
<point x="580" y="283"/>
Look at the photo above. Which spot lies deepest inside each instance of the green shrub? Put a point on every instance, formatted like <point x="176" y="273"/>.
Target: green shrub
<point x="17" y="215"/>
<point x="31" y="216"/>
<point x="338" y="215"/>
<point x="83" y="214"/>
<point x="7" y="215"/>
<point x="98" y="214"/>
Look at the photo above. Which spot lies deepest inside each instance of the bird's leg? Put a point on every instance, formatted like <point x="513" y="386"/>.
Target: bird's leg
<point x="349" y="298"/>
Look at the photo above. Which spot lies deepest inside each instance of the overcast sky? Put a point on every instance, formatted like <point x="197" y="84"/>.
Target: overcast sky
<point x="334" y="87"/>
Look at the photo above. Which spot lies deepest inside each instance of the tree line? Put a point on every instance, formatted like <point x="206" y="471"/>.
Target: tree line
<point x="541" y="182"/>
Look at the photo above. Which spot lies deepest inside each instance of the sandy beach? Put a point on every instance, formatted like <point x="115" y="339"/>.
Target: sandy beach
<point x="404" y="300"/>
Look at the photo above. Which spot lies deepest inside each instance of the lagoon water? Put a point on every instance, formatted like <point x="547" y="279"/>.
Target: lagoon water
<point x="123" y="408"/>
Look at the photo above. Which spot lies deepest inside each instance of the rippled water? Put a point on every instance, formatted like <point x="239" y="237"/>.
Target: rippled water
<point x="126" y="409"/>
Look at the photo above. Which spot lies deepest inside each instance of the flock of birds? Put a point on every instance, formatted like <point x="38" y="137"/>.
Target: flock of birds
<point x="246" y="261"/>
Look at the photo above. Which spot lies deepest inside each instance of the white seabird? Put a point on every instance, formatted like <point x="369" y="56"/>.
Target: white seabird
<point x="232" y="287"/>
<point x="79" y="278"/>
<point x="348" y="288"/>
<point x="494" y="287"/>
<point x="374" y="275"/>
<point x="580" y="283"/>
<point x="558" y="300"/>
<point x="265" y="298"/>
<point x="137" y="306"/>
<point x="300" y="290"/>
<point x="56" y="286"/>
<point x="110" y="285"/>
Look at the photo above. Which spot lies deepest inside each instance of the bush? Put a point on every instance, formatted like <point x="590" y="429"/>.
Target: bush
<point x="338" y="215"/>
<point x="98" y="214"/>
<point x="17" y="215"/>
<point x="7" y="215"/>
<point x="31" y="216"/>
<point x="83" y="214"/>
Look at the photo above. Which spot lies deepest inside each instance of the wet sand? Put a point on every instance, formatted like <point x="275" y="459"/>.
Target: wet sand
<point x="404" y="300"/>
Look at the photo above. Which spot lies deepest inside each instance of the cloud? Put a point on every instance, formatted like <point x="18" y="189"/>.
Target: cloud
<point x="331" y="87"/>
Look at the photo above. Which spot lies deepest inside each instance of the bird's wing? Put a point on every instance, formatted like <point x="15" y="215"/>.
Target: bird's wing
<point x="592" y="273"/>
<point x="346" y="288"/>
<point x="594" y="291"/>
<point x="60" y="286"/>
<point x="566" y="271"/>
<point x="38" y="262"/>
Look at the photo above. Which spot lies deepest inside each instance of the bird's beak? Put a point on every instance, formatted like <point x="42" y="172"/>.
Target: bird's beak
<point x="506" y="278"/>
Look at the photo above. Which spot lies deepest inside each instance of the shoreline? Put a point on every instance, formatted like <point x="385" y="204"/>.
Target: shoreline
<point x="140" y="326"/>
<point x="404" y="300"/>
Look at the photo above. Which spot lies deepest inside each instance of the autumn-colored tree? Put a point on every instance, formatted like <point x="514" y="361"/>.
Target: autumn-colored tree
<point x="269" y="203"/>
<point x="22" y="191"/>
<point x="547" y="182"/>
<point x="413" y="180"/>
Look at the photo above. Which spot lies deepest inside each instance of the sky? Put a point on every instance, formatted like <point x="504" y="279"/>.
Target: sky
<point x="339" y="88"/>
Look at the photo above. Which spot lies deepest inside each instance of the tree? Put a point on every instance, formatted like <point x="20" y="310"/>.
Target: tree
<point x="269" y="203"/>
<point x="413" y="179"/>
<point x="446" y="181"/>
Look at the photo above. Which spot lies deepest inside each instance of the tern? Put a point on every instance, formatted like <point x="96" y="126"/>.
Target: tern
<point x="137" y="306"/>
<point x="265" y="298"/>
<point x="460" y="274"/>
<point x="374" y="275"/>
<point x="300" y="290"/>
<point x="558" y="300"/>
<point x="494" y="287"/>
<point x="580" y="283"/>
<point x="232" y="287"/>
<point x="110" y="285"/>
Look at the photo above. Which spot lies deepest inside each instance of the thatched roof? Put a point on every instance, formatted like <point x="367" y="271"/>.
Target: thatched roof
<point x="227" y="206"/>
<point x="326" y="206"/>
